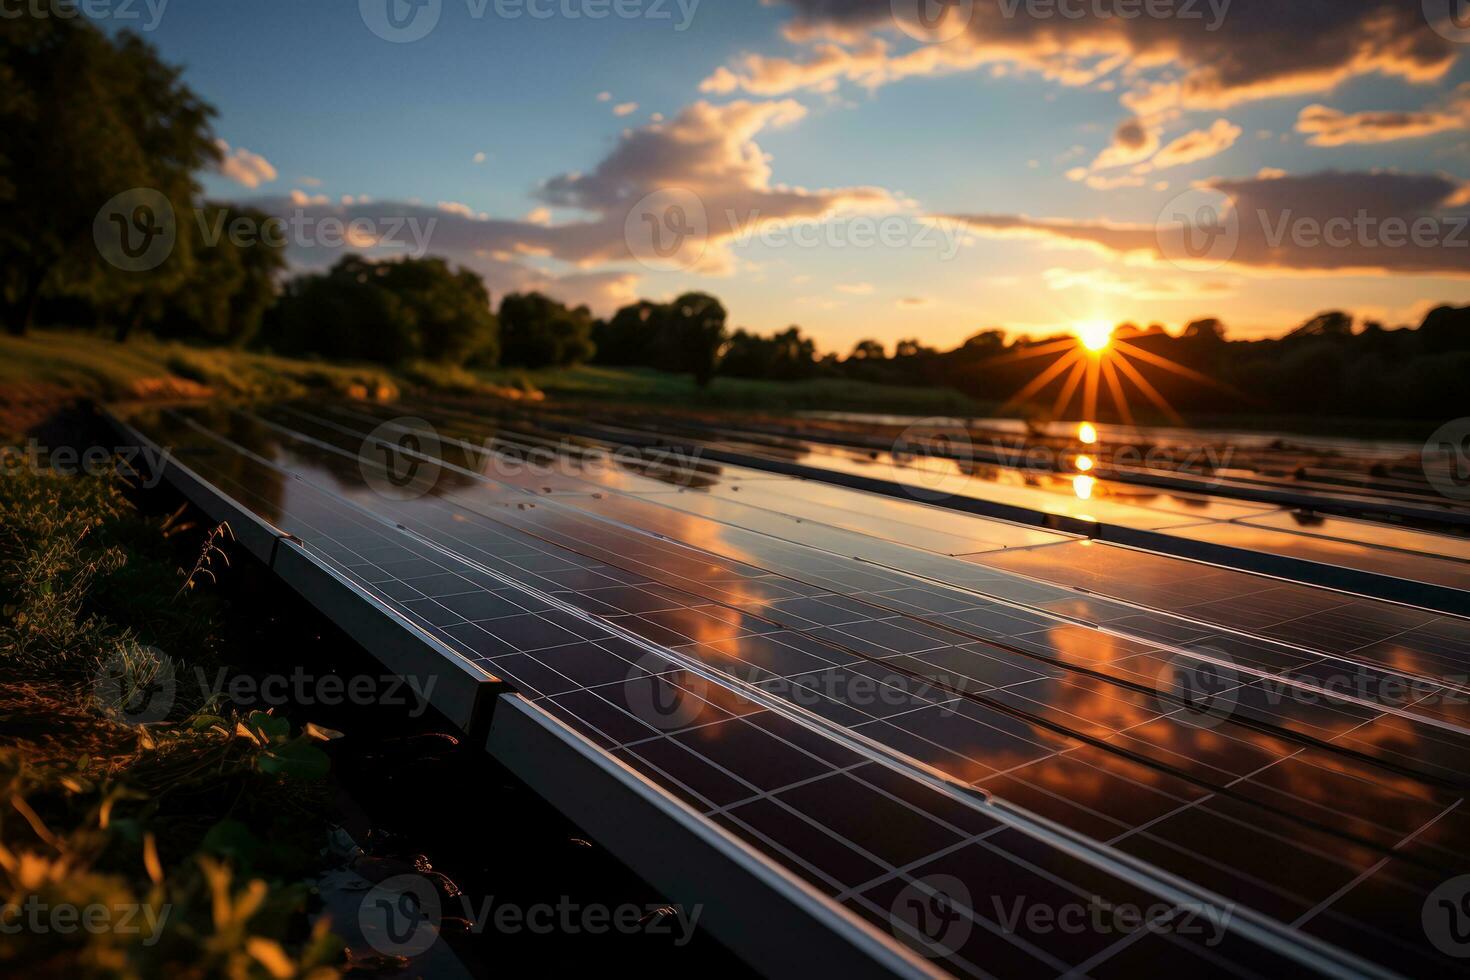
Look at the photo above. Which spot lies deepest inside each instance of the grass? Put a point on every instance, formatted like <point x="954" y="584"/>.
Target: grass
<point x="592" y="383"/>
<point x="98" y="366"/>
<point x="42" y="370"/>
<point x="147" y="813"/>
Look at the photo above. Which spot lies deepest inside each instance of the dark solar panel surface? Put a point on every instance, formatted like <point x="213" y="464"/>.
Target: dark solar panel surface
<point x="1196" y="516"/>
<point x="826" y="693"/>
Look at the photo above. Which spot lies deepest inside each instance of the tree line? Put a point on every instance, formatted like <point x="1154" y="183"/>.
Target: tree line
<point x="86" y="114"/>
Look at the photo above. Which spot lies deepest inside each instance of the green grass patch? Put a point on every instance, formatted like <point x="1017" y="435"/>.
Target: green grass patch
<point x="118" y="800"/>
<point x="591" y="383"/>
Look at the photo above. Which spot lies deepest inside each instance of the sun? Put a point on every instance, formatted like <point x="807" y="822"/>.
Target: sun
<point x="1095" y="335"/>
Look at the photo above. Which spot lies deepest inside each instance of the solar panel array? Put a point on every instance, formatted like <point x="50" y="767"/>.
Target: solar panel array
<point x="897" y="701"/>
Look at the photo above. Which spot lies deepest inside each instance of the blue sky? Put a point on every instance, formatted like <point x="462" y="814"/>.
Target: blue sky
<point x="1001" y="125"/>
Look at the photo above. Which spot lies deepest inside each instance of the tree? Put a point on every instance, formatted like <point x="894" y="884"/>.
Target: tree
<point x="1333" y="324"/>
<point x="451" y="310"/>
<point x="784" y="356"/>
<point x="87" y="118"/>
<point x="692" y="336"/>
<point x="537" y="331"/>
<point x="232" y="283"/>
<point x="1209" y="330"/>
<point x="868" y="350"/>
<point x="387" y="312"/>
<point x="630" y="336"/>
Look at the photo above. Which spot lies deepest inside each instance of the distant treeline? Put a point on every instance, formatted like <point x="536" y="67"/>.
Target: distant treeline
<point x="85" y="115"/>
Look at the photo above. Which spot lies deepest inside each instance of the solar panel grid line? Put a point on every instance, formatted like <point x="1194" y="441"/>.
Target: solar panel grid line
<point x="1437" y="687"/>
<point x="1329" y="900"/>
<point x="614" y="491"/>
<point x="945" y="781"/>
<point x="561" y="767"/>
<point x="1301" y="567"/>
<point x="1262" y="601"/>
<point x="1217" y="484"/>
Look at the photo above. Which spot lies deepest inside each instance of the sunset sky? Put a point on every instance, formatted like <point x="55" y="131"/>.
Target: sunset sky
<point x="1047" y="145"/>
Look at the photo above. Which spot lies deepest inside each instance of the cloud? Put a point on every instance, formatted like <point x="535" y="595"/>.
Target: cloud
<point x="1220" y="54"/>
<point x="855" y="288"/>
<point x="309" y="181"/>
<point x="239" y="164"/>
<point x="1330" y="127"/>
<point x="915" y="302"/>
<point x="1101" y="182"/>
<point x="1133" y="141"/>
<point x="1328" y="223"/>
<point x="604" y="96"/>
<point x="625" y="108"/>
<point x="479" y="157"/>
<point x="1132" y="286"/>
<point x="1200" y="144"/>
<point x="707" y="153"/>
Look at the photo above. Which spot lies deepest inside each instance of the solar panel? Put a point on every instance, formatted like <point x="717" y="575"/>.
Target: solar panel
<point x="881" y="718"/>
